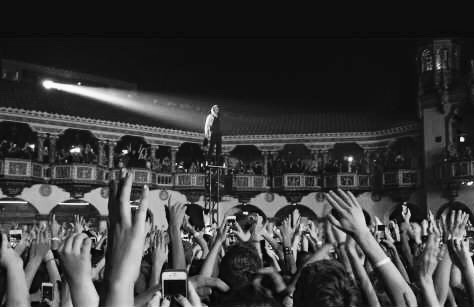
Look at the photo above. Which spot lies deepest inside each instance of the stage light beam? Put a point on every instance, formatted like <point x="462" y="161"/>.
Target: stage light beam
<point x="48" y="84"/>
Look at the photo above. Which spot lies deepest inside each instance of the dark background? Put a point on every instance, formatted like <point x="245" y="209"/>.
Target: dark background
<point x="271" y="74"/>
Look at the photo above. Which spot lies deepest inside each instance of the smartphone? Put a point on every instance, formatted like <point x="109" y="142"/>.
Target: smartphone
<point x="14" y="236"/>
<point x="231" y="220"/>
<point x="174" y="282"/>
<point x="47" y="291"/>
<point x="381" y="228"/>
<point x="471" y="244"/>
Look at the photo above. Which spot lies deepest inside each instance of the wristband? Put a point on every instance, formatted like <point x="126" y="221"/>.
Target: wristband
<point x="382" y="262"/>
<point x="50" y="259"/>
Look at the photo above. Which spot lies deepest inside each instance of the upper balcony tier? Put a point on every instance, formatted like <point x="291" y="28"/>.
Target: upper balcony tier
<point x="12" y="169"/>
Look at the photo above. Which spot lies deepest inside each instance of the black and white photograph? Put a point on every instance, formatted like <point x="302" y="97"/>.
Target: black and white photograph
<point x="237" y="170"/>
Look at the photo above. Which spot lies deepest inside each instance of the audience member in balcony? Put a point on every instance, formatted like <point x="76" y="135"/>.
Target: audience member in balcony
<point x="193" y="168"/>
<point x="257" y="168"/>
<point x="166" y="164"/>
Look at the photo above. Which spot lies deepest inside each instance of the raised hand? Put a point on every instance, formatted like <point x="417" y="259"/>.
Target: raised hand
<point x="177" y="213"/>
<point x="258" y="229"/>
<point x="78" y="223"/>
<point x="75" y="254"/>
<point x="457" y="224"/>
<point x="351" y="217"/>
<point x="287" y="231"/>
<point x="428" y="260"/>
<point x="54" y="226"/>
<point x="126" y="250"/>
<point x="159" y="247"/>
<point x="40" y="246"/>
<point x="240" y="233"/>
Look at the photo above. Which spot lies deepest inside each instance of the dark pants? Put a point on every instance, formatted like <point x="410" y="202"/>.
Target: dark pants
<point x="216" y="141"/>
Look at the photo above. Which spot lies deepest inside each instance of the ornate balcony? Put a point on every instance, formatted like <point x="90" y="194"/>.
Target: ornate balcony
<point x="79" y="173"/>
<point x="245" y="183"/>
<point x="189" y="181"/>
<point x="297" y="182"/>
<point x="142" y="176"/>
<point x="23" y="170"/>
<point x="349" y="181"/>
<point x="402" y="178"/>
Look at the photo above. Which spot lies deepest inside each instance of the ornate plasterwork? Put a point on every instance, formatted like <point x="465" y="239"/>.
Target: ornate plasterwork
<point x="56" y="123"/>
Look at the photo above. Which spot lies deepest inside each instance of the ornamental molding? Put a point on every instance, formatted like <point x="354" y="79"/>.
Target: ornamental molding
<point x="54" y="124"/>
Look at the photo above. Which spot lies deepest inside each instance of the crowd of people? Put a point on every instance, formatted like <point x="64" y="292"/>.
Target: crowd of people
<point x="10" y="149"/>
<point x="345" y="259"/>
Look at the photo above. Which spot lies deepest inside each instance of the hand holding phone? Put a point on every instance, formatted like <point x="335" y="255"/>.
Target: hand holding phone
<point x="174" y="282"/>
<point x="14" y="237"/>
<point x="47" y="291"/>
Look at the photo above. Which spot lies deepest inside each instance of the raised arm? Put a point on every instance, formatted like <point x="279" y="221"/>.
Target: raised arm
<point x="177" y="212"/>
<point x="426" y="266"/>
<point x="75" y="255"/>
<point x="211" y="260"/>
<point x="127" y="247"/>
<point x="17" y="289"/>
<point x="351" y="220"/>
<point x="361" y="274"/>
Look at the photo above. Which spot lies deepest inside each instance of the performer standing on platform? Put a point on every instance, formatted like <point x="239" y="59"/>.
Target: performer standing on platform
<point x="213" y="134"/>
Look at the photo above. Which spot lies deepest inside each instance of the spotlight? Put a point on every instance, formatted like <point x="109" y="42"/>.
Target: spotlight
<point x="470" y="183"/>
<point x="350" y="159"/>
<point x="124" y="151"/>
<point x="48" y="84"/>
<point x="462" y="139"/>
<point x="75" y="150"/>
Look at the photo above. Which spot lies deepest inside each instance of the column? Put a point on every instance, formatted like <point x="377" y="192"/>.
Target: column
<point x="325" y="157"/>
<point x="173" y="159"/>
<point x="226" y="156"/>
<point x="101" y="153"/>
<point x="40" y="147"/>
<point x="111" y="153"/>
<point x="52" y="148"/>
<point x="265" y="162"/>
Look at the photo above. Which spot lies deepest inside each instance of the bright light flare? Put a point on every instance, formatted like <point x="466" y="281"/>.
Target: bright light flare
<point x="75" y="150"/>
<point x="470" y="183"/>
<point x="462" y="139"/>
<point x="48" y="84"/>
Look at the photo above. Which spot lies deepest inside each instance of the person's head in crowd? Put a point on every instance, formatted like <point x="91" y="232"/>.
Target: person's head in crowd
<point x="239" y="265"/>
<point x="325" y="283"/>
<point x="249" y="296"/>
<point x="215" y="110"/>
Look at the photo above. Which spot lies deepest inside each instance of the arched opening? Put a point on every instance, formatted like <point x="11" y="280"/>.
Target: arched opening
<point x="404" y="153"/>
<point x="303" y="211"/>
<point x="131" y="151"/>
<point x="66" y="210"/>
<point x="16" y="211"/>
<point x="455" y="205"/>
<point x="246" y="159"/>
<point x="17" y="140"/>
<point x="417" y="213"/>
<point x="77" y="146"/>
<point x="345" y="157"/>
<point x="190" y="158"/>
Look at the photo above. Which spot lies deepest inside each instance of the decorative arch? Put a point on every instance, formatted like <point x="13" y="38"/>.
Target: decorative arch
<point x="455" y="205"/>
<point x="17" y="211"/>
<point x="287" y="210"/>
<point x="66" y="210"/>
<point x="244" y="210"/>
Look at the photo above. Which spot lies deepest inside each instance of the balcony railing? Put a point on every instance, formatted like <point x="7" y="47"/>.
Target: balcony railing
<point x="79" y="173"/>
<point x="455" y="171"/>
<point x="142" y="176"/>
<point x="353" y="181"/>
<point x="189" y="181"/>
<point x="249" y="183"/>
<point x="24" y="170"/>
<point x="402" y="178"/>
<point x="29" y="171"/>
<point x="297" y="182"/>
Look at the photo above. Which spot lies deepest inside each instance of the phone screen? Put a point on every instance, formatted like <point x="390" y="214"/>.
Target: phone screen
<point x="14" y="236"/>
<point x="174" y="283"/>
<point x="380" y="227"/>
<point x="47" y="291"/>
